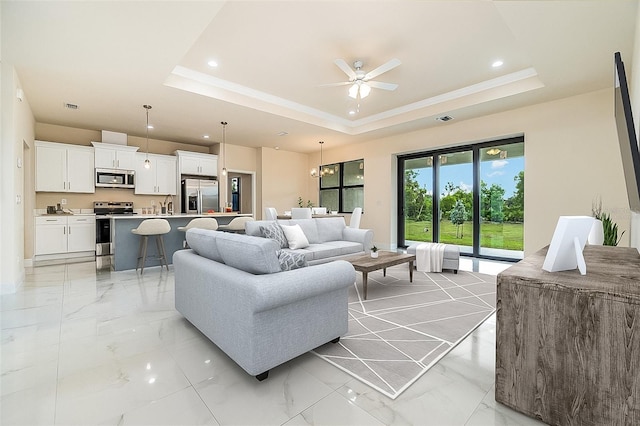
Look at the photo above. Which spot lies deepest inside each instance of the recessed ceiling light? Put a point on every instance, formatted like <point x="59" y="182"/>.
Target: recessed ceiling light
<point x="150" y="126"/>
<point x="497" y="63"/>
<point x="277" y="148"/>
<point x="352" y="112"/>
<point x="283" y="133"/>
<point x="212" y="63"/>
<point x="445" y="118"/>
<point x="206" y="136"/>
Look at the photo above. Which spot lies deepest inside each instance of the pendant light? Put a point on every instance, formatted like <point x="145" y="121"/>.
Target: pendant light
<point x="314" y="171"/>
<point x="224" y="147"/>
<point x="147" y="163"/>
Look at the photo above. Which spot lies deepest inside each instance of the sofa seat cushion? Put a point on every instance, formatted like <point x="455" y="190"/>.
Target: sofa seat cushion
<point x="324" y="251"/>
<point x="345" y="247"/>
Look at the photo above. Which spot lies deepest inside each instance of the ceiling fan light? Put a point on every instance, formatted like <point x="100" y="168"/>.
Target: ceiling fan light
<point x="365" y="89"/>
<point x="353" y="91"/>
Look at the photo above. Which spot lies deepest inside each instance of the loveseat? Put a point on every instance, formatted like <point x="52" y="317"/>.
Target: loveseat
<point x="329" y="238"/>
<point x="233" y="288"/>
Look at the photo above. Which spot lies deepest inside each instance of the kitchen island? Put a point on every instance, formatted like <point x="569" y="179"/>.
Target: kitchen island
<point x="125" y="244"/>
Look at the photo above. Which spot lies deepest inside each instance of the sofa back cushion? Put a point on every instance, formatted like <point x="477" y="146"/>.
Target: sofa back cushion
<point x="248" y="253"/>
<point x="203" y="242"/>
<point x="330" y="228"/>
<point x="309" y="228"/>
<point x="253" y="227"/>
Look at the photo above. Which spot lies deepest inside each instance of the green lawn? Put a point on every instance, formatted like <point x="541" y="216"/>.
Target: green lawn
<point x="508" y="236"/>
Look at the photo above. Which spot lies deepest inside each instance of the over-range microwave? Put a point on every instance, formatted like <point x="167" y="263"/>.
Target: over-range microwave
<point x="112" y="178"/>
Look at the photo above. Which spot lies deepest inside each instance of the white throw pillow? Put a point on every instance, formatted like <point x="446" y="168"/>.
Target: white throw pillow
<point x="295" y="236"/>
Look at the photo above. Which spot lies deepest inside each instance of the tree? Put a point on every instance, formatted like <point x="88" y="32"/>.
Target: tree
<point x="458" y="216"/>
<point x="514" y="205"/>
<point x="417" y="200"/>
<point x="491" y="202"/>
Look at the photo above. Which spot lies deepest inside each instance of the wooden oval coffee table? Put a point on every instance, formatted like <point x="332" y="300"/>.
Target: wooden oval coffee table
<point x="365" y="263"/>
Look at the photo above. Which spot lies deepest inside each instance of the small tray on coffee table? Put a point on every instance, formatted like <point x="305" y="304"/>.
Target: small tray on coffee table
<point x="365" y="264"/>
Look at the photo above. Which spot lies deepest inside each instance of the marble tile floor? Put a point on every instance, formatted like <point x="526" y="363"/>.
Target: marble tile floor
<point x="87" y="347"/>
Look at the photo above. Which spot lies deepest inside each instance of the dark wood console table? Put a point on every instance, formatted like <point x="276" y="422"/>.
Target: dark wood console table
<point x="567" y="345"/>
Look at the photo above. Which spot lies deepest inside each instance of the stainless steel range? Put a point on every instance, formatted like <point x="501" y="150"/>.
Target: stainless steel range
<point x="104" y="248"/>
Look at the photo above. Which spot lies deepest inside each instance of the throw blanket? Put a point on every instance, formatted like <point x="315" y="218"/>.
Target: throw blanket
<point x="429" y="257"/>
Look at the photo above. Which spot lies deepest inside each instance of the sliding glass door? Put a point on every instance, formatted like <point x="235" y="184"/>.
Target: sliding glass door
<point x="502" y="200"/>
<point x="456" y="199"/>
<point x="470" y="196"/>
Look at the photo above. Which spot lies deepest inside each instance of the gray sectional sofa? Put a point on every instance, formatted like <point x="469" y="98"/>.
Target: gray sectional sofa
<point x="329" y="238"/>
<point x="233" y="289"/>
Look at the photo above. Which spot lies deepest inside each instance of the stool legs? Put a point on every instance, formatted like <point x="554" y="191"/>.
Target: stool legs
<point x="142" y="252"/>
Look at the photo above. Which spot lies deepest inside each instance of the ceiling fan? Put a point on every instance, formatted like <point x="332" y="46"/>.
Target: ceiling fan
<point x="361" y="82"/>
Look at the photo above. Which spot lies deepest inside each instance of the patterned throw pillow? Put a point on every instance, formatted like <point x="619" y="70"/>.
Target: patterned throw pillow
<point x="274" y="232"/>
<point x="289" y="261"/>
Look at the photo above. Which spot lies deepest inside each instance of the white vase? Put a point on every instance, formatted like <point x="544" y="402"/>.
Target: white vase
<point x="596" y="235"/>
<point x="374" y="254"/>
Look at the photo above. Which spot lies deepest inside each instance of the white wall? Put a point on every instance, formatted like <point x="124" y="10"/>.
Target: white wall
<point x="17" y="130"/>
<point x="571" y="157"/>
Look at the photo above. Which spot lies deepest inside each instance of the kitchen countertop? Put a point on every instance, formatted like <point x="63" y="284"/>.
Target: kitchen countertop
<point x="173" y="216"/>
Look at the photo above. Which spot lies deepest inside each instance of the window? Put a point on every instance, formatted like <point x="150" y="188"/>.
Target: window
<point x="471" y="196"/>
<point x="342" y="186"/>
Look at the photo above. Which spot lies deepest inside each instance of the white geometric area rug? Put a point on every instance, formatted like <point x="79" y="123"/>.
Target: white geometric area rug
<point x="404" y="328"/>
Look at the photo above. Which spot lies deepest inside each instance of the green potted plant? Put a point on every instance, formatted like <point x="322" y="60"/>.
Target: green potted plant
<point x="374" y="251"/>
<point x="609" y="235"/>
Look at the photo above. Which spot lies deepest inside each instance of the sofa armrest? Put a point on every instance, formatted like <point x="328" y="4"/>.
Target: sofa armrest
<point x="357" y="235"/>
<point x="280" y="289"/>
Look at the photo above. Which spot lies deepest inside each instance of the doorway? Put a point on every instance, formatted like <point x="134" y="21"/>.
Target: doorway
<point x="240" y="192"/>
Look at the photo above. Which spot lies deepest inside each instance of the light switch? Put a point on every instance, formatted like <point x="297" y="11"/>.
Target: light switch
<point x="19" y="162"/>
<point x="18" y="199"/>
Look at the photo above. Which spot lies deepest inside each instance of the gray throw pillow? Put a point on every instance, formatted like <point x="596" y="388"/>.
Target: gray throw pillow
<point x="274" y="232"/>
<point x="289" y="261"/>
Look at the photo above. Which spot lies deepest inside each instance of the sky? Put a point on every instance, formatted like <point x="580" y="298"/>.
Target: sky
<point x="500" y="172"/>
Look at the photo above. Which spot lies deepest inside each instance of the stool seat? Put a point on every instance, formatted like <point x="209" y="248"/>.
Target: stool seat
<point x="152" y="227"/>
<point x="149" y="228"/>
<point x="236" y="225"/>
<point x="200" y="223"/>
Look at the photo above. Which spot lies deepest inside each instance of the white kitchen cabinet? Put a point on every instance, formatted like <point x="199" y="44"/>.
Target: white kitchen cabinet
<point x="64" y="234"/>
<point x="160" y="178"/>
<point x="81" y="233"/>
<point x="110" y="156"/>
<point x="64" y="168"/>
<point x="194" y="163"/>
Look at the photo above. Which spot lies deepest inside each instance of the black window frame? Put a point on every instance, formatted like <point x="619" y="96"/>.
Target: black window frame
<point x="341" y="185"/>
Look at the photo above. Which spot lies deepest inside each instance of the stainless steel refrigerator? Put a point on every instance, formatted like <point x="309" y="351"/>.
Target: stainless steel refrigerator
<point x="199" y="196"/>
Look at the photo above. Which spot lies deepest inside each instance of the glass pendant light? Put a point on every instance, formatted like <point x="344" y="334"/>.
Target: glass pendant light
<point x="147" y="163"/>
<point x="224" y="147"/>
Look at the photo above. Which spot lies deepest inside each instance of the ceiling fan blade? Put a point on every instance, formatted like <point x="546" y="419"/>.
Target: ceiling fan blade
<point x="382" y="69"/>
<point x="344" y="83"/>
<point x="383" y="86"/>
<point x="345" y="68"/>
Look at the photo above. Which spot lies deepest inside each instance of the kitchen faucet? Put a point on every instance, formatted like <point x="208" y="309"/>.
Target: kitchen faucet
<point x="169" y="204"/>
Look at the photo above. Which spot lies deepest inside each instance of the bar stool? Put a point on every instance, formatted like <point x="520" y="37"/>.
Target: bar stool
<point x="201" y="223"/>
<point x="149" y="228"/>
<point x="236" y="225"/>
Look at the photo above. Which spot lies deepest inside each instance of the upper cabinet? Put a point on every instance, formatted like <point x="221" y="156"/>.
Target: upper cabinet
<point x="194" y="163"/>
<point x="111" y="156"/>
<point x="64" y="168"/>
<point x="160" y="178"/>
